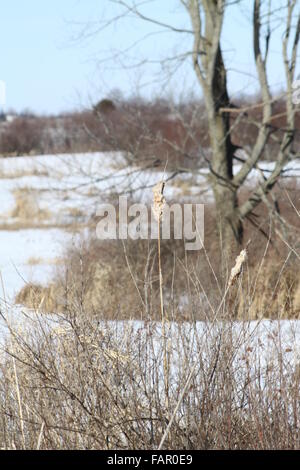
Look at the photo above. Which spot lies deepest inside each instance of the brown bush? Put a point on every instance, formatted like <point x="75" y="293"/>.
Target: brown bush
<point x="23" y="136"/>
<point x="147" y="131"/>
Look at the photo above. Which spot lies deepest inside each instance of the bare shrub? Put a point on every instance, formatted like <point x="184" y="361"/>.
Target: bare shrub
<point x="145" y="130"/>
<point x="24" y="135"/>
<point x="74" y="383"/>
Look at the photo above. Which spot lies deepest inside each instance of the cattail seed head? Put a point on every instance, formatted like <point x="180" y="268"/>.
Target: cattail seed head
<point x="158" y="200"/>
<point x="237" y="269"/>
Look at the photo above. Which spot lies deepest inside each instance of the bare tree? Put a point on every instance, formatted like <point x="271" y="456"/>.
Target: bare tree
<point x="207" y="19"/>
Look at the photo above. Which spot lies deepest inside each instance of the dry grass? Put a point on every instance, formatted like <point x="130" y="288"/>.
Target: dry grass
<point x="16" y="173"/>
<point x="274" y="293"/>
<point x="34" y="260"/>
<point x="117" y="281"/>
<point x="76" y="213"/>
<point x="98" y="274"/>
<point x="27" y="206"/>
<point x="39" y="298"/>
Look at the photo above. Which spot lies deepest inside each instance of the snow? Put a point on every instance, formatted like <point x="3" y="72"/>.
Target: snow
<point x="258" y="346"/>
<point x="17" y="247"/>
<point x="67" y="189"/>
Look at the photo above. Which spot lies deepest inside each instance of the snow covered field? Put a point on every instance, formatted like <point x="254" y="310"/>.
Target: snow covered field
<point x="258" y="346"/>
<point x="47" y="201"/>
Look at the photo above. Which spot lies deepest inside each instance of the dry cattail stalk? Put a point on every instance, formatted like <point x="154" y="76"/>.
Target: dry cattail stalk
<point x="158" y="200"/>
<point x="237" y="269"/>
<point x="158" y="208"/>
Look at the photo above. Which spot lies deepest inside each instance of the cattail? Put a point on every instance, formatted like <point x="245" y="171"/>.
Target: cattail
<point x="237" y="269"/>
<point x="158" y="208"/>
<point x="158" y="200"/>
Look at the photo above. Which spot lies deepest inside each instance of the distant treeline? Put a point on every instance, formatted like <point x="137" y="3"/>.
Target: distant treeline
<point x="148" y="132"/>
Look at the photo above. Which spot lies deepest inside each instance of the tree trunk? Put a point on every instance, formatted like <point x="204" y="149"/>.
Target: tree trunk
<point x="211" y="73"/>
<point x="230" y="225"/>
<point x="228" y="215"/>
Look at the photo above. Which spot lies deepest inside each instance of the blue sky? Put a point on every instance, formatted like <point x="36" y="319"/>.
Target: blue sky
<point x="48" y="66"/>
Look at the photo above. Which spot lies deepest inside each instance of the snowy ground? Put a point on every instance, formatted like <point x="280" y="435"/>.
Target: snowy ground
<point x="47" y="201"/>
<point x="28" y="256"/>
<point x="259" y="346"/>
